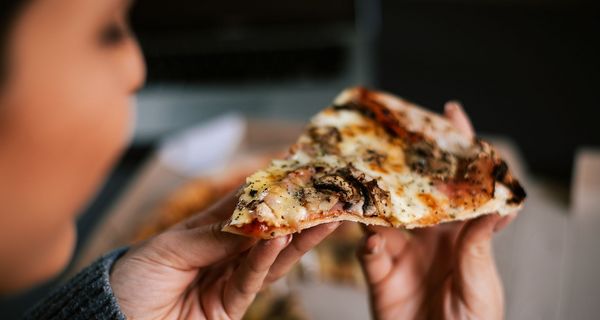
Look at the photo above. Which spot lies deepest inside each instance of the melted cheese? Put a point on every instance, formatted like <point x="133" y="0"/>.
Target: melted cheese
<point x="393" y="175"/>
<point x="277" y="206"/>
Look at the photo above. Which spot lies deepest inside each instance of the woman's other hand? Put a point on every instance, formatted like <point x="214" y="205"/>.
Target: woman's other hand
<point x="441" y="272"/>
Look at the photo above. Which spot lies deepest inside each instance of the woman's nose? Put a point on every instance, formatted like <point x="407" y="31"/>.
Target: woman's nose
<point x="134" y="67"/>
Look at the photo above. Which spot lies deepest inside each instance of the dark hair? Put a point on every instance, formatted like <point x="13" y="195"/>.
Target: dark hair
<point x="8" y="11"/>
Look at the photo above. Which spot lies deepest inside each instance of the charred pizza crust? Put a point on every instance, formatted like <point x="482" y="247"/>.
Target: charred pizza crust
<point x="376" y="159"/>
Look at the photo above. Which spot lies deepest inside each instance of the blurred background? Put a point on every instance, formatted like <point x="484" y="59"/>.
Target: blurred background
<point x="526" y="70"/>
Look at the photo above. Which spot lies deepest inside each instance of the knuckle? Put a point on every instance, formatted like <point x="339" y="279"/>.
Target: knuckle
<point x="254" y="268"/>
<point x="216" y="232"/>
<point x="302" y="245"/>
<point x="161" y="242"/>
<point x="479" y="250"/>
<point x="274" y="276"/>
<point x="271" y="277"/>
<point x="248" y="287"/>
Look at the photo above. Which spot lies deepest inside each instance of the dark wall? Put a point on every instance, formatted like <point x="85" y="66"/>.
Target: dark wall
<point x="531" y="71"/>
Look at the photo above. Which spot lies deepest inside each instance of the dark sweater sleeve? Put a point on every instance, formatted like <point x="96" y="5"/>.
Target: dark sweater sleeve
<point x="87" y="296"/>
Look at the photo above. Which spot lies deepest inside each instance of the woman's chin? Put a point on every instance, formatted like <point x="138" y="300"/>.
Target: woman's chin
<point x="45" y="265"/>
<point x="62" y="254"/>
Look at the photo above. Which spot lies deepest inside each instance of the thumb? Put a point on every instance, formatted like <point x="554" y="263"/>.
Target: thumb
<point x="474" y="241"/>
<point x="454" y="111"/>
<point x="477" y="279"/>
<point x="194" y="248"/>
<point x="375" y="261"/>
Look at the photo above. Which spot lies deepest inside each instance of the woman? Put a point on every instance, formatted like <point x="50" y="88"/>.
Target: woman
<point x="69" y="70"/>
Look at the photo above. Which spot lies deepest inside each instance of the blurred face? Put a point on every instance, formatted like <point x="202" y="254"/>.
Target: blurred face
<point x="65" y="113"/>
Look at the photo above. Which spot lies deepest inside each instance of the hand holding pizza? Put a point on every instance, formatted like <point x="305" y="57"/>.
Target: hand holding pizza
<point x="196" y="271"/>
<point x="447" y="271"/>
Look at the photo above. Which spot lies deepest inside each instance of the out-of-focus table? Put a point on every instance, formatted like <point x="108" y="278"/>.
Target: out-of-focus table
<point x="548" y="257"/>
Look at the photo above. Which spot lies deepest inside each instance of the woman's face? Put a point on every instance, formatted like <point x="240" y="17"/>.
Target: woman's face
<point x="66" y="110"/>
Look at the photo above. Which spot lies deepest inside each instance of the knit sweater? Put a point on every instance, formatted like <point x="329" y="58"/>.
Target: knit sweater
<point x="87" y="296"/>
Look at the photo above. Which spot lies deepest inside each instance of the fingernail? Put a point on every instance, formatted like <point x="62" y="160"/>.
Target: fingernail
<point x="288" y="239"/>
<point x="453" y="105"/>
<point x="279" y="241"/>
<point x="333" y="225"/>
<point x="373" y="245"/>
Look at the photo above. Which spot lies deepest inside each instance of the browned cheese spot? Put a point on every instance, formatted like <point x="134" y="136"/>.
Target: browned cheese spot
<point x="435" y="215"/>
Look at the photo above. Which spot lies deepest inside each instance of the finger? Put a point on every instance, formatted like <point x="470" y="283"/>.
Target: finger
<point x="249" y="277"/>
<point x="194" y="248"/>
<point x="209" y="275"/>
<point x="479" y="231"/>
<point x="210" y="292"/>
<point x="301" y="243"/>
<point x="396" y="239"/>
<point x="456" y="114"/>
<point x="474" y="247"/>
<point x="477" y="279"/>
<point x="505" y="221"/>
<point x="449" y="232"/>
<point x="376" y="262"/>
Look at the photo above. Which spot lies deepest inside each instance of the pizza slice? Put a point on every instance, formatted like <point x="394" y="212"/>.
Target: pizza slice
<point x="376" y="159"/>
